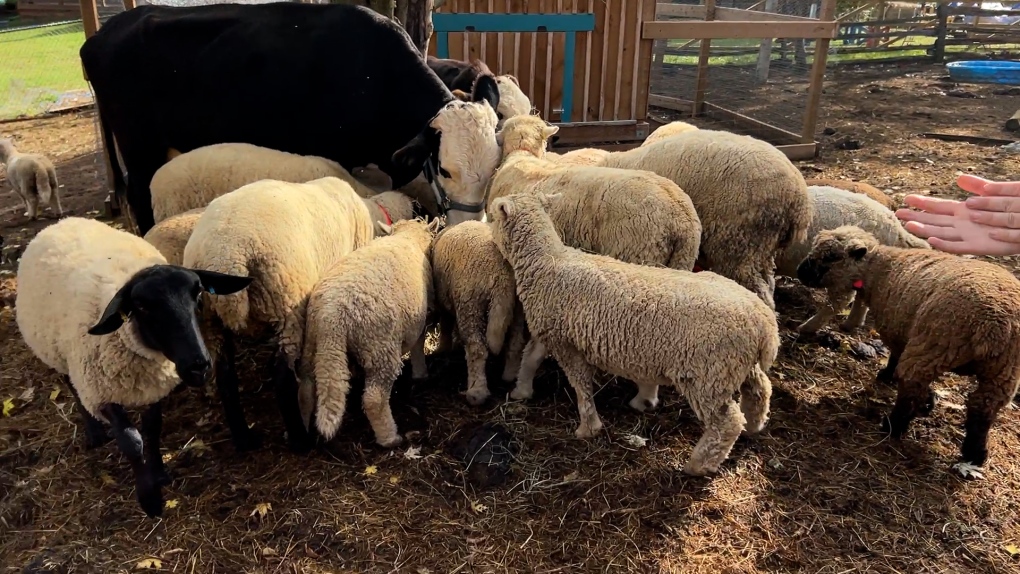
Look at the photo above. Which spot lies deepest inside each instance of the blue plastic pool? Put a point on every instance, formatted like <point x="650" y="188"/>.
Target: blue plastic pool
<point x="985" y="72"/>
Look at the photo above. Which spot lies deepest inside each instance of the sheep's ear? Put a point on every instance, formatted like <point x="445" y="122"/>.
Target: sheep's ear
<point x="486" y="90"/>
<point x="512" y="79"/>
<point x="503" y="207"/>
<point x="547" y="199"/>
<point x="858" y="252"/>
<point x="172" y="153"/>
<point x="549" y="131"/>
<point x="115" y="314"/>
<point x="221" y="283"/>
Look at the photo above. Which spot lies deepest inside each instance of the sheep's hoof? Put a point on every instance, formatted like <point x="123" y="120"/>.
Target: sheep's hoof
<point x="848" y="327"/>
<point x="478" y="396"/>
<point x="807" y="329"/>
<point x="96" y="438"/>
<point x="391" y="442"/>
<point x="697" y="469"/>
<point x="894" y="429"/>
<point x="521" y="394"/>
<point x="643" y="405"/>
<point x="583" y="432"/>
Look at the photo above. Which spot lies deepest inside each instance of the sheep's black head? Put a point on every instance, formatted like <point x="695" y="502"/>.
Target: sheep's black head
<point x="162" y="302"/>
<point x="836" y="258"/>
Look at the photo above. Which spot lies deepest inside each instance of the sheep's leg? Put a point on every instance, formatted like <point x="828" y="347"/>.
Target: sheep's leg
<point x="55" y="203"/>
<point x="32" y="202"/>
<point x="95" y="432"/>
<point x="858" y="313"/>
<point x="723" y="423"/>
<point x="286" y="386"/>
<point x="534" y="353"/>
<point x="755" y="396"/>
<point x="380" y="373"/>
<point x="515" y="346"/>
<point x="152" y="430"/>
<point x="647" y="397"/>
<point x="581" y="375"/>
<point x="419" y="369"/>
<point x="916" y="370"/>
<point x="129" y="440"/>
<point x="887" y="374"/>
<point x="983" y="405"/>
<point x="245" y="439"/>
<point x="446" y="325"/>
<point x="837" y="301"/>
<point x="475" y="352"/>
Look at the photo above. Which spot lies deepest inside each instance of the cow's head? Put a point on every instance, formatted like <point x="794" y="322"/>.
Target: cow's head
<point x="458" y="152"/>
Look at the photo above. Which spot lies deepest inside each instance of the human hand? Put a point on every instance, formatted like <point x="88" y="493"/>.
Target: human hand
<point x="987" y="225"/>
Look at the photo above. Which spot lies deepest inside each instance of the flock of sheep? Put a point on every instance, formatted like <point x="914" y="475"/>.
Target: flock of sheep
<point x="656" y="265"/>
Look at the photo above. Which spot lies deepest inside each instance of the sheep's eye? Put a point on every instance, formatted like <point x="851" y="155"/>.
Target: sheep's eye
<point x="444" y="173"/>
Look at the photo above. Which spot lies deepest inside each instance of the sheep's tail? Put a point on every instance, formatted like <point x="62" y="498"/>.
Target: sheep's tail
<point x="51" y="175"/>
<point x="501" y="315"/>
<point x="43" y="184"/>
<point x="292" y="334"/>
<point x="768" y="347"/>
<point x="332" y="383"/>
<point x="683" y="257"/>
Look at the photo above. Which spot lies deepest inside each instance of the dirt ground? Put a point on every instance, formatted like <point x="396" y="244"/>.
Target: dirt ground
<point x="821" y="490"/>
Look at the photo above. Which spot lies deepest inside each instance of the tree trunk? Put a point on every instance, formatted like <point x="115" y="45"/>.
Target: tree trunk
<point x="419" y="23"/>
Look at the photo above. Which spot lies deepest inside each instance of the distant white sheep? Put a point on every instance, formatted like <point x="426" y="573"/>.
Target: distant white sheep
<point x="33" y="178"/>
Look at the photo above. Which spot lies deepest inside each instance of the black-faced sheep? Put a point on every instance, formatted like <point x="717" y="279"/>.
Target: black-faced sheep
<point x="595" y="312"/>
<point x="102" y="307"/>
<point x="937" y="313"/>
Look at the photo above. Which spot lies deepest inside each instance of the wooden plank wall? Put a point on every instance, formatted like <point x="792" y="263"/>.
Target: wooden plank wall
<point x="613" y="63"/>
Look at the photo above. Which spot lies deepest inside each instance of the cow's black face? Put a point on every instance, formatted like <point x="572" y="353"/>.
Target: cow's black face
<point x="162" y="301"/>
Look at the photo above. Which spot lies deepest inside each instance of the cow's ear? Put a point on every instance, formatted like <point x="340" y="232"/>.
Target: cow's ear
<point x="413" y="155"/>
<point x="486" y="89"/>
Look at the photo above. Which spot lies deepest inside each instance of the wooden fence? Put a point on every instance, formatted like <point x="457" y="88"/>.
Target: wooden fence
<point x="607" y="83"/>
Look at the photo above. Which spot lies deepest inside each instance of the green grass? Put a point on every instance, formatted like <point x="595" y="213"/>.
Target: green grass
<point x="917" y="48"/>
<point x="39" y="64"/>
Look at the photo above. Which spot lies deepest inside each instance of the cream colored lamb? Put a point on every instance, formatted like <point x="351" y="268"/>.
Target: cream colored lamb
<point x="285" y="236"/>
<point x="751" y="200"/>
<point x="633" y="216"/>
<point x="101" y="307"/>
<point x="834" y="207"/>
<point x="475" y="285"/>
<point x="699" y="332"/>
<point x="667" y="131"/>
<point x="370" y="307"/>
<point x="193" y="179"/>
<point x="33" y="178"/>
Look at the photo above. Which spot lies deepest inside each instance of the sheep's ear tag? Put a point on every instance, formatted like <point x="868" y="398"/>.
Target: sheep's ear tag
<point x="859" y="284"/>
<point x="211" y="291"/>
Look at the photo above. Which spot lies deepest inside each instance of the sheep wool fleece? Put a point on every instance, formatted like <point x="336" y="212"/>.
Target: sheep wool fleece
<point x="193" y="179"/>
<point x="285" y="236"/>
<point x="476" y="285"/>
<point x="370" y="306"/>
<point x="171" y="235"/>
<point x="68" y="274"/>
<point x="595" y="312"/>
<point x="751" y="199"/>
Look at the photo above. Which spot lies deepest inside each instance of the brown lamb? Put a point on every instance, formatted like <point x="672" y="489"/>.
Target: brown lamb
<point x="936" y="312"/>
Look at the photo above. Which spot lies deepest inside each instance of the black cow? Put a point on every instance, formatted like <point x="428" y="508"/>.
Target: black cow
<point x="336" y="81"/>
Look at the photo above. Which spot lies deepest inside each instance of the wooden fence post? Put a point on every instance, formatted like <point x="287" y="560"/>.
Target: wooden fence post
<point x="942" y="13"/>
<point x="701" y="82"/>
<point x="826" y="14"/>
<point x="765" y="50"/>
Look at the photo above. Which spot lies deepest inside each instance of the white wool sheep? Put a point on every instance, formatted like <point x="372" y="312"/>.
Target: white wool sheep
<point x="595" y="312"/>
<point x="371" y="306"/>
<point x="633" y="216"/>
<point x="584" y="156"/>
<point x="833" y="207"/>
<point x="751" y="200"/>
<point x="285" y="236"/>
<point x="193" y="179"/>
<point x="102" y="307"/>
<point x="33" y="178"/>
<point x="476" y="286"/>
<point x="668" y="130"/>
<point x="171" y="235"/>
<point x="512" y="100"/>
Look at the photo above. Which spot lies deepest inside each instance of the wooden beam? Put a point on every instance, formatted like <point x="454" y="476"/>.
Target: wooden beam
<point x="89" y="17"/>
<point x="733" y="30"/>
<point x="817" y="76"/>
<point x="586" y="133"/>
<point x="726" y="14"/>
<point x="675" y="104"/>
<point x="129" y="4"/>
<point x="799" y="152"/>
<point x="701" y="80"/>
<point x="761" y="74"/>
<point x="768" y="131"/>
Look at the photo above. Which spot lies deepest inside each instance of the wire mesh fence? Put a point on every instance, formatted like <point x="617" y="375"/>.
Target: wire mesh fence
<point x="41" y="69"/>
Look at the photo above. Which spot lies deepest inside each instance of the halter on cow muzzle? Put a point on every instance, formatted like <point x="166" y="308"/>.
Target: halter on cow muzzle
<point x="443" y="202"/>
